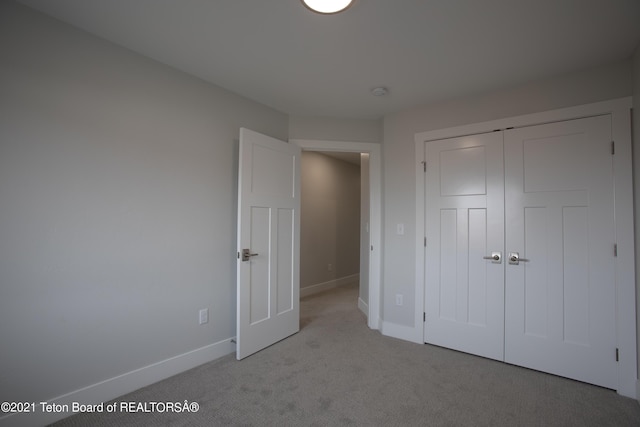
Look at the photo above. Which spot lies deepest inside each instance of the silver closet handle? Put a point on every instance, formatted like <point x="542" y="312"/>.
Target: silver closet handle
<point x="514" y="258"/>
<point x="496" y="257"/>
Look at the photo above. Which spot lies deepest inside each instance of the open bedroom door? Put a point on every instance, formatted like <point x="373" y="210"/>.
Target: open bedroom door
<point x="268" y="265"/>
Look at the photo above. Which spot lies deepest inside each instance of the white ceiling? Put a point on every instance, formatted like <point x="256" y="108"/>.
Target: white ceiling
<point x="279" y="53"/>
<point x="353" y="158"/>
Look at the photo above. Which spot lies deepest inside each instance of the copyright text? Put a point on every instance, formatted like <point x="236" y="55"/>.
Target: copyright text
<point x="77" y="407"/>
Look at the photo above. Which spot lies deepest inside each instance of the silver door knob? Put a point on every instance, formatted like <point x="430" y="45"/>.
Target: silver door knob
<point x="496" y="257"/>
<point x="514" y="258"/>
<point x="246" y="254"/>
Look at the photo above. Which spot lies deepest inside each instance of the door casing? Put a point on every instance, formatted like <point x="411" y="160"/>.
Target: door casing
<point x="619" y="110"/>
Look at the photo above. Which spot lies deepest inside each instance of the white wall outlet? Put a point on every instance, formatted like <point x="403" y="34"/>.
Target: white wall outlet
<point x="399" y="299"/>
<point x="204" y="316"/>
<point x="400" y="229"/>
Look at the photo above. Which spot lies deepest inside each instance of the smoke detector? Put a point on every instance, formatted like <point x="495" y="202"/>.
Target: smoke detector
<point x="379" y="91"/>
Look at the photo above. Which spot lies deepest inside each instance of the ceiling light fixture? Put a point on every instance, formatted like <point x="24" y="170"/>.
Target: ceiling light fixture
<point x="327" y="7"/>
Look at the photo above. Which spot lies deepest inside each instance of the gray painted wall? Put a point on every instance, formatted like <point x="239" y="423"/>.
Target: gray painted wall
<point x="330" y="129"/>
<point x="118" y="207"/>
<point x="635" y="125"/>
<point x="608" y="82"/>
<point x="330" y="219"/>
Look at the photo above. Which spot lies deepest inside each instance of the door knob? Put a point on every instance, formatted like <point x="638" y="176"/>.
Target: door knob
<point x="246" y="254"/>
<point x="496" y="257"/>
<point x="514" y="258"/>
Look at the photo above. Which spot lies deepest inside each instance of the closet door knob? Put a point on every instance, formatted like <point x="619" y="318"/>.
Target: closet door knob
<point x="514" y="258"/>
<point x="496" y="257"/>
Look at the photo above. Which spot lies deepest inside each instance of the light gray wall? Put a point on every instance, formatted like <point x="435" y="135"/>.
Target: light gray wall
<point x="330" y="219"/>
<point x="635" y="124"/>
<point x="117" y="206"/>
<point x="331" y="129"/>
<point x="607" y="82"/>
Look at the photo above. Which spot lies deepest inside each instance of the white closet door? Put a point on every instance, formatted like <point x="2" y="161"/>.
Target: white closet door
<point x="560" y="303"/>
<point x="464" y="294"/>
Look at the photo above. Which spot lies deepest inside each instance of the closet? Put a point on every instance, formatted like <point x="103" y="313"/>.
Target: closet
<point x="521" y="246"/>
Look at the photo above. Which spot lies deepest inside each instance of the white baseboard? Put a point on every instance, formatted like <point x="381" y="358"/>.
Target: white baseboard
<point x="407" y="333"/>
<point x="320" y="287"/>
<point x="122" y="384"/>
<point x="363" y="306"/>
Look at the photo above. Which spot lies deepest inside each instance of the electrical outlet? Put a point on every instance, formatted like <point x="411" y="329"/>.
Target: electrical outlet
<point x="204" y="316"/>
<point x="400" y="229"/>
<point x="399" y="299"/>
<point x="329" y="267"/>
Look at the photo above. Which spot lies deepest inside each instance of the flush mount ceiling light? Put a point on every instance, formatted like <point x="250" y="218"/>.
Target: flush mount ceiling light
<point x="327" y="6"/>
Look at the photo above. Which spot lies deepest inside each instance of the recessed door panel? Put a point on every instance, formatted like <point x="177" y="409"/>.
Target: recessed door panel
<point x="550" y="173"/>
<point x="448" y="264"/>
<point x="576" y="298"/>
<point x="535" y="274"/>
<point x="259" y="283"/>
<point x="285" y="273"/>
<point x="274" y="173"/>
<point x="477" y="284"/>
<point x="463" y="171"/>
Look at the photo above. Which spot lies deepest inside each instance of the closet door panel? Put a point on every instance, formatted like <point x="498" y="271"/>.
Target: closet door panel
<point x="464" y="224"/>
<point x="560" y="302"/>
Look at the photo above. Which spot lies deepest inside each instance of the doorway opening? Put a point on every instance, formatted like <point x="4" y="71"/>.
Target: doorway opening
<point x="370" y="296"/>
<point x="334" y="232"/>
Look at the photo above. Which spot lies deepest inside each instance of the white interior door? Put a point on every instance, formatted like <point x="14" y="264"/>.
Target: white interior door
<point x="268" y="275"/>
<point x="464" y="294"/>
<point x="560" y="303"/>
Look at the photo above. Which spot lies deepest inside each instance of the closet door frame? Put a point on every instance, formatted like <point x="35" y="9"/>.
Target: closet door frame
<point x="619" y="109"/>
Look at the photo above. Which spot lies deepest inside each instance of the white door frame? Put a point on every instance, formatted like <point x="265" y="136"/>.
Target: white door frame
<point x="375" y="227"/>
<point x="623" y="181"/>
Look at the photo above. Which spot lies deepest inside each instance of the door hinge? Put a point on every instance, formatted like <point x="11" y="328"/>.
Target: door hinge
<point x="424" y="316"/>
<point x="425" y="242"/>
<point x="615" y="249"/>
<point x="424" y="165"/>
<point x="238" y="255"/>
<point x="613" y="147"/>
<point x="617" y="355"/>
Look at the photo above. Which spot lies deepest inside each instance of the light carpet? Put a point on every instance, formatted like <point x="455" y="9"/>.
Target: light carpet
<point x="338" y="372"/>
